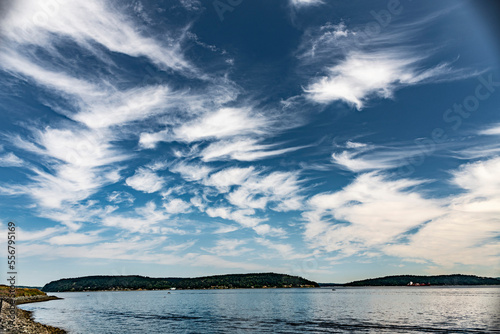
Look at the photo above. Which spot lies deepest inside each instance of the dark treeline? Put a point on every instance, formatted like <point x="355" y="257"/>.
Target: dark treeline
<point x="433" y="280"/>
<point x="96" y="283"/>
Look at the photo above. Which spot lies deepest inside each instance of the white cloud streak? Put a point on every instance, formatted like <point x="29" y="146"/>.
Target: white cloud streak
<point x="285" y="251"/>
<point x="10" y="160"/>
<point x="120" y="197"/>
<point x="223" y="123"/>
<point x="305" y="3"/>
<point x="359" y="157"/>
<point x="360" y="67"/>
<point x="191" y="172"/>
<point x="228" y="247"/>
<point x="145" y="180"/>
<point x="176" y="206"/>
<point x="226" y="178"/>
<point x="280" y="188"/>
<point x="82" y="156"/>
<point x="468" y="232"/>
<point x="219" y="124"/>
<point x="86" y="22"/>
<point x="74" y="239"/>
<point x="378" y="214"/>
<point x="79" y="164"/>
<point x="370" y="212"/>
<point x="242" y="149"/>
<point x="362" y="76"/>
<point x="492" y="131"/>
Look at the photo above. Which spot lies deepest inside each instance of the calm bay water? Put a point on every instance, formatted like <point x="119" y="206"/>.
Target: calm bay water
<point x="345" y="310"/>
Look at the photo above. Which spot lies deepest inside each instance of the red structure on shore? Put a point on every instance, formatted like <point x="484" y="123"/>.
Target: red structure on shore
<point x="418" y="284"/>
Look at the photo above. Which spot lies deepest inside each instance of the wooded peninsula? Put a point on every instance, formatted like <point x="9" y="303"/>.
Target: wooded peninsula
<point x="249" y="281"/>
<point x="236" y="281"/>
<point x="416" y="280"/>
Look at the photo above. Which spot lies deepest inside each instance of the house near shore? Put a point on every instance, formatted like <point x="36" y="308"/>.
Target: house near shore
<point x="418" y="284"/>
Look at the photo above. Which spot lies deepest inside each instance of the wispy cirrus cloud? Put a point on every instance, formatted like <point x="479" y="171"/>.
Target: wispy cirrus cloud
<point x="232" y="133"/>
<point x="192" y="5"/>
<point x="140" y="248"/>
<point x="365" y="75"/>
<point x="79" y="163"/>
<point x="229" y="177"/>
<point x="223" y="123"/>
<point x="145" y="180"/>
<point x="249" y="188"/>
<point x="362" y="68"/>
<point x="468" y="231"/>
<point x="120" y="107"/>
<point x="191" y="171"/>
<point x="281" y="189"/>
<point x="87" y="22"/>
<point x="377" y="213"/>
<point x="246" y="217"/>
<point x="40" y="234"/>
<point x="105" y="105"/>
<point x="120" y="197"/>
<point x="285" y="251"/>
<point x="84" y="155"/>
<point x="179" y="247"/>
<point x="75" y="239"/>
<point x="149" y="218"/>
<point x="247" y="193"/>
<point x="176" y="206"/>
<point x="243" y="149"/>
<point x="228" y="247"/>
<point x="10" y="160"/>
<point x="492" y="131"/>
<point x="220" y="124"/>
<point x="96" y="103"/>
<point x="482" y="147"/>
<point x="360" y="157"/>
<point x="305" y="3"/>
<point x="370" y="212"/>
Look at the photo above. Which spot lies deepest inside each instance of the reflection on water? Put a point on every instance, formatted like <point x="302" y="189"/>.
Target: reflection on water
<point x="345" y="310"/>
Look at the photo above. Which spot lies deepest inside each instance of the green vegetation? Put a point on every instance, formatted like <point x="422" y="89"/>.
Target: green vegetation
<point x="433" y="280"/>
<point x="20" y="292"/>
<point x="96" y="283"/>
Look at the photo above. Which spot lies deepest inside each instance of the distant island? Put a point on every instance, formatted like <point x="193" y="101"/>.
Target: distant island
<point x="249" y="281"/>
<point x="414" y="280"/>
<point x="236" y="281"/>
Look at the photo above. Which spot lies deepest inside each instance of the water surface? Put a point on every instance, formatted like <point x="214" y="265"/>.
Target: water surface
<point x="345" y="310"/>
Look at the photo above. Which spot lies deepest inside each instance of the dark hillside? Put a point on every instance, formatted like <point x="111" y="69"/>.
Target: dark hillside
<point x="96" y="283"/>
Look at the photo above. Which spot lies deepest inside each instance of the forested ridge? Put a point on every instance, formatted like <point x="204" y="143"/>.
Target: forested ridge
<point x="97" y="283"/>
<point x="399" y="280"/>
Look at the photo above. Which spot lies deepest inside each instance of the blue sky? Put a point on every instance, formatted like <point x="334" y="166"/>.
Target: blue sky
<point x="333" y="140"/>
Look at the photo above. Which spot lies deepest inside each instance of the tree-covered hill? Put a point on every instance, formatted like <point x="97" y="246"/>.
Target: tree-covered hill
<point x="400" y="280"/>
<point x="95" y="283"/>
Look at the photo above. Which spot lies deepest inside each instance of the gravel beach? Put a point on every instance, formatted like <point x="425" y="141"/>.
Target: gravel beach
<point x="23" y="321"/>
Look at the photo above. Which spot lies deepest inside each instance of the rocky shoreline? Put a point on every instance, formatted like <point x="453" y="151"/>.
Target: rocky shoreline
<point x="34" y="299"/>
<point x="23" y="321"/>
